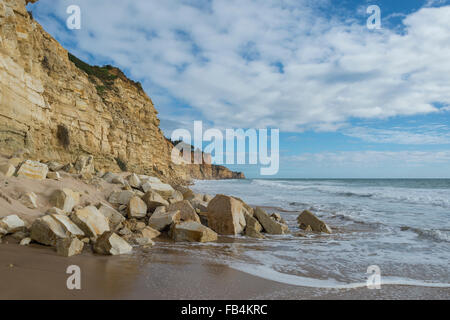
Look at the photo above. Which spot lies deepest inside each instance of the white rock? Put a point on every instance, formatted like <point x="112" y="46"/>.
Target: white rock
<point x="29" y="200"/>
<point x="90" y="221"/>
<point x="161" y="221"/>
<point x="137" y="208"/>
<point x="65" y="199"/>
<point x="134" y="181"/>
<point x="110" y="243"/>
<point x="12" y="223"/>
<point x="33" y="170"/>
<point x="121" y="197"/>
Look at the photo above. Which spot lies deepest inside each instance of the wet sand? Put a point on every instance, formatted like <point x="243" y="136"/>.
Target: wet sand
<point x="37" y="272"/>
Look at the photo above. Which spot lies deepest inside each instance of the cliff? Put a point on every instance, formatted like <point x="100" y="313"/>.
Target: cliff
<point x="57" y="107"/>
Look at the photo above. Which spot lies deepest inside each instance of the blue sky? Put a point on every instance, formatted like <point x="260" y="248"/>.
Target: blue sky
<point x="349" y="101"/>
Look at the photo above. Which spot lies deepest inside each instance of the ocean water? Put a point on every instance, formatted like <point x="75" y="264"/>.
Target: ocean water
<point x="401" y="226"/>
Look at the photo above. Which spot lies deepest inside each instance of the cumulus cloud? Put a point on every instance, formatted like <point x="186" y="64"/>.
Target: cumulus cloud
<point x="266" y="63"/>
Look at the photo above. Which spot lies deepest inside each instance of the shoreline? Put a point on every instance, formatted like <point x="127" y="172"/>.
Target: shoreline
<point x="160" y="273"/>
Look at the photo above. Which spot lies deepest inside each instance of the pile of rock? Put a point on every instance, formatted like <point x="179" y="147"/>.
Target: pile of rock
<point x="140" y="209"/>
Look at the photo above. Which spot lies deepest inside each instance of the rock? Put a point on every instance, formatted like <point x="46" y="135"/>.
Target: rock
<point x="7" y="169"/>
<point x="29" y="200"/>
<point x="16" y="162"/>
<point x="226" y="215"/>
<point x="154" y="200"/>
<point x="25" y="241"/>
<point x="176" y="196"/>
<point x="134" y="181"/>
<point x="203" y="218"/>
<point x="207" y="198"/>
<point x="245" y="205"/>
<point x="55" y="210"/>
<point x="69" y="226"/>
<point x="33" y="170"/>
<point x="12" y="224"/>
<point x="307" y="218"/>
<point x="188" y="194"/>
<point x="192" y="231"/>
<point x="54" y="176"/>
<point x="252" y="223"/>
<point x="253" y="228"/>
<point x="46" y="230"/>
<point x="252" y="233"/>
<point x="85" y="164"/>
<point x="161" y="209"/>
<point x="110" y="243"/>
<point x="19" y="235"/>
<point x="55" y="166"/>
<point x="137" y="208"/>
<point x="69" y="247"/>
<point x="121" y="197"/>
<point x="142" y="241"/>
<point x="115" y="219"/>
<point x="65" y="199"/>
<point x="109" y="177"/>
<point x="186" y="210"/>
<point x="200" y="205"/>
<point x="160" y="221"/>
<point x="119" y="180"/>
<point x="149" y="233"/>
<point x="165" y="190"/>
<point x="270" y="226"/>
<point x="90" y="221"/>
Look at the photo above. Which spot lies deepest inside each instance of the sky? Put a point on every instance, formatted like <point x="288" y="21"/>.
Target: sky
<point x="349" y="101"/>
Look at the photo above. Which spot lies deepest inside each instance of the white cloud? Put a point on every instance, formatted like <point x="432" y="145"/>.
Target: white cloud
<point x="370" y="158"/>
<point x="224" y="59"/>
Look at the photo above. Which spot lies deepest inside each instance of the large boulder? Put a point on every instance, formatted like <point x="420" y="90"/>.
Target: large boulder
<point x="154" y="200"/>
<point x="91" y="221"/>
<point x="115" y="219"/>
<point x="226" y="215"/>
<point x="29" y="200"/>
<point x="253" y="228"/>
<point x="134" y="181"/>
<point x="202" y="206"/>
<point x="121" y="197"/>
<point x="137" y="208"/>
<point x="308" y="221"/>
<point x="192" y="231"/>
<point x="69" y="226"/>
<point x="85" y="164"/>
<point x="165" y="190"/>
<point x="7" y="169"/>
<point x="33" y="170"/>
<point x="187" y="211"/>
<point x="69" y="247"/>
<point x="65" y="199"/>
<point x="110" y="243"/>
<point x="270" y="225"/>
<point x="162" y="220"/>
<point x="46" y="230"/>
<point x="12" y="223"/>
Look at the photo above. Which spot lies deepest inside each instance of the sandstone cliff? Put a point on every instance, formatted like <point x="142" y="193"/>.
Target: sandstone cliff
<point x="58" y="108"/>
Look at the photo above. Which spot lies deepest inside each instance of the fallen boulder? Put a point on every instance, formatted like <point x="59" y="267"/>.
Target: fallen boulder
<point x="121" y="197"/>
<point x="200" y="205"/>
<point x="12" y="223"/>
<point x="110" y="243"/>
<point x="186" y="210"/>
<point x="270" y="225"/>
<point x="308" y="219"/>
<point x="162" y="220"/>
<point x="90" y="221"/>
<point x="165" y="190"/>
<point x="253" y="228"/>
<point x="65" y="199"/>
<point x="192" y="231"/>
<point x="85" y="164"/>
<point x="226" y="215"/>
<point x="53" y="176"/>
<point x="137" y="208"/>
<point x="115" y="219"/>
<point x="29" y="200"/>
<point x="154" y="200"/>
<point x="69" y="226"/>
<point x="69" y="247"/>
<point x="33" y="170"/>
<point x="134" y="181"/>
<point x="46" y="230"/>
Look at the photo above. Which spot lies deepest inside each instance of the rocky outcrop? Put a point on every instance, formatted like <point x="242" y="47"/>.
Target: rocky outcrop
<point x="270" y="225"/>
<point x="191" y="231"/>
<point x="309" y="222"/>
<point x="226" y="215"/>
<point x="58" y="108"/>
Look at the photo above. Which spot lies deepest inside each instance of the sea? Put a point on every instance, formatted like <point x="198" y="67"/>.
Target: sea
<point x="385" y="231"/>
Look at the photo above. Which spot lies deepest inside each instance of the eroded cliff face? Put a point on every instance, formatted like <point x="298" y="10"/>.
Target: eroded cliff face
<point x="57" y="111"/>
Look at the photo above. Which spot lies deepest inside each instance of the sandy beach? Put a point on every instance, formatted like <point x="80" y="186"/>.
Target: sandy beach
<point x="37" y="272"/>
